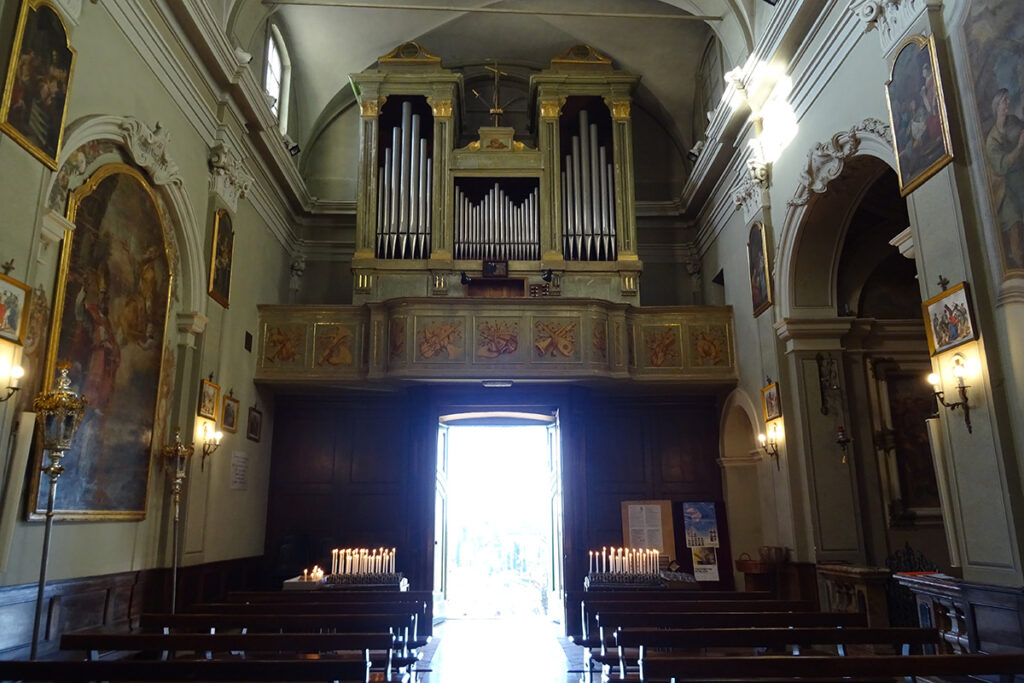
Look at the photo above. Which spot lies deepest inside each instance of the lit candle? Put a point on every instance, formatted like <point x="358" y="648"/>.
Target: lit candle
<point x="305" y="575"/>
<point x="604" y="560"/>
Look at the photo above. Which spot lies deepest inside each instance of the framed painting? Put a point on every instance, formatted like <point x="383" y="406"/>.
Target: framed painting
<point x="229" y="414"/>
<point x="757" y="258"/>
<point x="917" y="111"/>
<point x="949" y="320"/>
<point x="220" y="261"/>
<point x="771" y="402"/>
<point x="14" y="307"/>
<point x="254" y="428"/>
<point x="109" y="324"/>
<point x="209" y="396"/>
<point x="993" y="31"/>
<point x="38" y="78"/>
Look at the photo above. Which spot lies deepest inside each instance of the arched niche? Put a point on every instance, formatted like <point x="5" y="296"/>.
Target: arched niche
<point x="743" y="474"/>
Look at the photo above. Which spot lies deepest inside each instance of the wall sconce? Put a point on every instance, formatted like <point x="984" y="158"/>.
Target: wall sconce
<point x="959" y="370"/>
<point x="769" y="442"/>
<point x="14" y="375"/>
<point x="211" y="442"/>
<point x="843" y="440"/>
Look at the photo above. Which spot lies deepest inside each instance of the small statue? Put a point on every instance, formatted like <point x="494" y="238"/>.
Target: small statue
<point x="298" y="267"/>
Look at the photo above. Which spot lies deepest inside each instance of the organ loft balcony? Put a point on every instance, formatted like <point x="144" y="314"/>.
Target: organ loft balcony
<point x="505" y="251"/>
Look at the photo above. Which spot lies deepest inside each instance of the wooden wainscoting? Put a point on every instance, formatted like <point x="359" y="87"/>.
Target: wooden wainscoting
<point x="111" y="600"/>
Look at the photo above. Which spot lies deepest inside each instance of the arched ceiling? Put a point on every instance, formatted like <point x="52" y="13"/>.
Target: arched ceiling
<point x="327" y="42"/>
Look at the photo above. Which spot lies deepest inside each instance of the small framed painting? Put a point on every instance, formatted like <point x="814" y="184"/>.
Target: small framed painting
<point x="209" y="394"/>
<point x="949" y="320"/>
<point x="13" y="309"/>
<point x="771" y="402"/>
<point x="255" y="426"/>
<point x="757" y="256"/>
<point x="38" y="79"/>
<point x="220" y="260"/>
<point x="920" y="129"/>
<point x="229" y="414"/>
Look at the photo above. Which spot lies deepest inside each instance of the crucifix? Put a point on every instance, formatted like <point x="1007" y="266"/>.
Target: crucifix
<point x="495" y="107"/>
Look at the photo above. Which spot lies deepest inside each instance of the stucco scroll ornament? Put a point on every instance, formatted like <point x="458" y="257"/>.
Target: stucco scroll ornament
<point x="827" y="159"/>
<point x="148" y="147"/>
<point x="228" y="177"/>
<point x="892" y="18"/>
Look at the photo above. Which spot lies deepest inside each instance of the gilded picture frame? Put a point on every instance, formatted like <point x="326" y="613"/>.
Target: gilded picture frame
<point x="35" y="96"/>
<point x="949" y="319"/>
<point x="771" y="402"/>
<point x="221" y="258"/>
<point x="254" y="427"/>
<point x="109" y="323"/>
<point x="209" y="398"/>
<point x="14" y="309"/>
<point x="757" y="259"/>
<point x="917" y="113"/>
<point x="229" y="414"/>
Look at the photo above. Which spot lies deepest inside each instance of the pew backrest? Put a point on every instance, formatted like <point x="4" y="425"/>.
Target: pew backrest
<point x="345" y="671"/>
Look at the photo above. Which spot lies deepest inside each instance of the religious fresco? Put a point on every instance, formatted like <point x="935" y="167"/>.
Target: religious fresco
<point x="993" y="31"/>
<point x="333" y="345"/>
<point x="663" y="346"/>
<point x="440" y="339"/>
<point x="556" y="338"/>
<point x="497" y="339"/>
<point x="709" y="346"/>
<point x="114" y="290"/>
<point x="284" y="345"/>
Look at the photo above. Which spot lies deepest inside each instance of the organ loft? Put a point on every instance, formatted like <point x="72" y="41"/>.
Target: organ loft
<point x="557" y="208"/>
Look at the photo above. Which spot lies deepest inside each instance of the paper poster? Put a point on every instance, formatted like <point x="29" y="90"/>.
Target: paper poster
<point x="645" y="530"/>
<point x="239" y="471"/>
<point x="701" y="525"/>
<point x="705" y="563"/>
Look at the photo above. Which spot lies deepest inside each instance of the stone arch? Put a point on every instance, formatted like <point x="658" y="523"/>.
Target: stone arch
<point x="742" y="465"/>
<point x="146" y="147"/>
<point x="866" y="148"/>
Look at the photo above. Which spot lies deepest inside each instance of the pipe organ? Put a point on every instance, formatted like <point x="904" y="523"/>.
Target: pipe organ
<point x="496" y="226"/>
<point x="588" y="208"/>
<point x="403" y="202"/>
<point x="559" y="214"/>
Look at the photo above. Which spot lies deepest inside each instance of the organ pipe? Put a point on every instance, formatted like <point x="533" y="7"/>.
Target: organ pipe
<point x="404" y="193"/>
<point x="497" y="227"/>
<point x="588" y="189"/>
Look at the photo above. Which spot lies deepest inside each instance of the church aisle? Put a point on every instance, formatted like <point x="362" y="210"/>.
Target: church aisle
<point x="470" y="648"/>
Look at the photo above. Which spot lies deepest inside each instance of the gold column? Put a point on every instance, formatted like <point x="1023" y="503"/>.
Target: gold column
<point x="625" y="211"/>
<point x="366" y="206"/>
<point x="441" y="239"/>
<point x="551" y="184"/>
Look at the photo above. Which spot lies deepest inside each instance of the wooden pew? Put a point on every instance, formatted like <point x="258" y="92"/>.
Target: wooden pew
<point x="638" y="640"/>
<point x="346" y="671"/>
<point x="340" y="595"/>
<point x="658" y="668"/>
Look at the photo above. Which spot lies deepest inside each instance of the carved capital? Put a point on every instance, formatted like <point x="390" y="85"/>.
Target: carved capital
<point x="190" y="326"/>
<point x="440" y="108"/>
<point x="550" y="109"/>
<point x="892" y="18"/>
<point x="619" y="109"/>
<point x="148" y="147"/>
<point x="369" y="107"/>
<point x="827" y="159"/>
<point x="751" y="194"/>
<point x="228" y="178"/>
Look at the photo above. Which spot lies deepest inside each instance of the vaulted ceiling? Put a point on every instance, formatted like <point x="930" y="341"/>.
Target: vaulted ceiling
<point x="326" y="42"/>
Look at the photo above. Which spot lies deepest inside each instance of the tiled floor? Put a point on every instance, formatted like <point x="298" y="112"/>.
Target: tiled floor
<point x="513" y="649"/>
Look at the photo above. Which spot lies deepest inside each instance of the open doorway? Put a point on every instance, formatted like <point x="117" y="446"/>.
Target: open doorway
<point x="498" y="517"/>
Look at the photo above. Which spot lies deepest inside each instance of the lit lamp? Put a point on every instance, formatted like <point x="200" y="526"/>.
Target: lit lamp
<point x="176" y="455"/>
<point x="14" y="375"/>
<point x="211" y="442"/>
<point x="769" y="442"/>
<point x="959" y="371"/>
<point x="58" y="412"/>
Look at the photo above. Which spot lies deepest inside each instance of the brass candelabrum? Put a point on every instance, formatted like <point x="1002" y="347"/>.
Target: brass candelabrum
<point x="58" y="412"/>
<point x="176" y="455"/>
